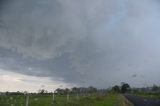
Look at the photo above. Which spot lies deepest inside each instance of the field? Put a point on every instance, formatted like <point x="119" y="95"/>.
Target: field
<point x="62" y="100"/>
<point x="152" y="95"/>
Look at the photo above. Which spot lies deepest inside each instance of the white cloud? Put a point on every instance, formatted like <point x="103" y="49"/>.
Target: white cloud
<point x="11" y="81"/>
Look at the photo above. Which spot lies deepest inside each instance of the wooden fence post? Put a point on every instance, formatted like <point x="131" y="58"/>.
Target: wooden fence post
<point x="77" y="96"/>
<point x="53" y="97"/>
<point x="67" y="97"/>
<point x="27" y="99"/>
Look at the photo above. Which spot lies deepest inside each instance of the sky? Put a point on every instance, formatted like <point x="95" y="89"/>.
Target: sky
<point x="65" y="43"/>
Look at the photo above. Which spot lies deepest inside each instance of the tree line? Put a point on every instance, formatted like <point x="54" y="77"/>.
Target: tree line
<point x="122" y="88"/>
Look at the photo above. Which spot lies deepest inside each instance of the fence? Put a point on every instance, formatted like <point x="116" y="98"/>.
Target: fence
<point x="36" y="100"/>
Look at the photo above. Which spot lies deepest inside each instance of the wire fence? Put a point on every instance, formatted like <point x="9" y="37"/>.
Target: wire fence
<point x="36" y="100"/>
<point x="52" y="99"/>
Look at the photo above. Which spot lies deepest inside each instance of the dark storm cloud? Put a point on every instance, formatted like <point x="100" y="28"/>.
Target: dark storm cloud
<point x="93" y="41"/>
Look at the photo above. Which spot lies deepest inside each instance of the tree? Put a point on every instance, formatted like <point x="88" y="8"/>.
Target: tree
<point x="42" y="91"/>
<point x="66" y="91"/>
<point x="125" y="87"/>
<point x="75" y="90"/>
<point x="116" y="88"/>
<point x="59" y="91"/>
<point x="155" y="88"/>
<point x="91" y="89"/>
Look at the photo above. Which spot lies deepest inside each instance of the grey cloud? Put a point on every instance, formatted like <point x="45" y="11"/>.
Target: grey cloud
<point x="134" y="75"/>
<point x="88" y="40"/>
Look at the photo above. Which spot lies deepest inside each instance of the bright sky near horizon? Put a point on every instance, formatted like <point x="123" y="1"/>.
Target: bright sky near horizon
<point x="78" y="43"/>
<point x="11" y="81"/>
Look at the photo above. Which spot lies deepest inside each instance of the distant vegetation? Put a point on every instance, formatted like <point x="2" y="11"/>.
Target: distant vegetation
<point x="152" y="92"/>
<point x="125" y="87"/>
<point x="77" y="96"/>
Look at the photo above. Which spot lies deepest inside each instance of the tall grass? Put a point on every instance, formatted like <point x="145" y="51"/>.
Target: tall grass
<point x="60" y="100"/>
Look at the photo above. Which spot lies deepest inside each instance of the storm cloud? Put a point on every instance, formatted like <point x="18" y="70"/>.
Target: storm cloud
<point x="99" y="42"/>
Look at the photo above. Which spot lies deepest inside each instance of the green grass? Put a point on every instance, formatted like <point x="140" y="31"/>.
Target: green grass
<point x="152" y="95"/>
<point x="111" y="100"/>
<point x="40" y="100"/>
<point x="61" y="100"/>
<point x="12" y="100"/>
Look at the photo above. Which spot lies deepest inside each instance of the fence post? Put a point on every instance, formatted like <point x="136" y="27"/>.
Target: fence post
<point x="67" y="97"/>
<point x="53" y="97"/>
<point x="77" y="96"/>
<point x="27" y="99"/>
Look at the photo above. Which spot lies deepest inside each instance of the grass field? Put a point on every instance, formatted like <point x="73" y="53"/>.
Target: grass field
<point x="152" y="95"/>
<point x="47" y="100"/>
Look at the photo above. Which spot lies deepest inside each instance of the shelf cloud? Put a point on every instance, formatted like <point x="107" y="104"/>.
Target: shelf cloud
<point x="84" y="42"/>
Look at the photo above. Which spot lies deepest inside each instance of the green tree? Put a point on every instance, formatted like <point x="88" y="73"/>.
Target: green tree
<point x="125" y="87"/>
<point x="155" y="88"/>
<point x="116" y="88"/>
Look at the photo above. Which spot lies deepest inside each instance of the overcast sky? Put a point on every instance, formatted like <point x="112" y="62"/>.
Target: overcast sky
<point x="53" y="43"/>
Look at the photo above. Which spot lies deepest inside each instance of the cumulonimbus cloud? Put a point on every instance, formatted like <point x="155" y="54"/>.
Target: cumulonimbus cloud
<point x="80" y="39"/>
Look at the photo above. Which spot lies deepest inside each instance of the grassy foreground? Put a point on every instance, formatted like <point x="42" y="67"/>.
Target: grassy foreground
<point x="35" y="100"/>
